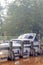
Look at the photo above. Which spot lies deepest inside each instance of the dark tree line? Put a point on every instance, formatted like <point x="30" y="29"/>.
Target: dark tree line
<point x="24" y="16"/>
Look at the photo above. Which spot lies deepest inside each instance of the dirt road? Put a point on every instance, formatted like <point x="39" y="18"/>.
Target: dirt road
<point x="29" y="61"/>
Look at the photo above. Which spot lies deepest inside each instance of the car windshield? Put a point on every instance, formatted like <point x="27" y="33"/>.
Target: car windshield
<point x="28" y="37"/>
<point x="20" y="37"/>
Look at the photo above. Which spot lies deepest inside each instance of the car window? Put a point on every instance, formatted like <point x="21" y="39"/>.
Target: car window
<point x="36" y="38"/>
<point x="29" y="37"/>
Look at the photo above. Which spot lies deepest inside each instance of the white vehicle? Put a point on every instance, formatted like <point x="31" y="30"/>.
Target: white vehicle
<point x="41" y="48"/>
<point x="15" y="49"/>
<point x="25" y="48"/>
<point x="4" y="51"/>
<point x="32" y="37"/>
<point x="29" y="36"/>
<point x="20" y="48"/>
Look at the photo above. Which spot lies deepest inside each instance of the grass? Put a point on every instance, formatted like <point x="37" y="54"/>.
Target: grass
<point x="7" y="37"/>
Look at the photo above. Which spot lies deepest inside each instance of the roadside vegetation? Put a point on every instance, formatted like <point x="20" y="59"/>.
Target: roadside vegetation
<point x="23" y="16"/>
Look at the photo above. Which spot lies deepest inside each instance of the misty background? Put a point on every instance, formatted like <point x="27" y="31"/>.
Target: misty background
<point x="21" y="16"/>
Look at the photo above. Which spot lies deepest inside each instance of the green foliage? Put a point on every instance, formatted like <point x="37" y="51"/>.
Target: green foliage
<point x="22" y="16"/>
<point x="1" y="10"/>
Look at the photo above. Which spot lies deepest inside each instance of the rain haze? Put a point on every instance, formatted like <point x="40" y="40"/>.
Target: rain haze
<point x="21" y="32"/>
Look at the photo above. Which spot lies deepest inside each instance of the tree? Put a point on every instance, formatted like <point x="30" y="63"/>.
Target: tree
<point x="22" y="17"/>
<point x="1" y="9"/>
<point x="36" y="28"/>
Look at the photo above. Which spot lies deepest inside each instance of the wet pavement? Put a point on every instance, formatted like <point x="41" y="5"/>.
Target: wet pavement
<point x="28" y="61"/>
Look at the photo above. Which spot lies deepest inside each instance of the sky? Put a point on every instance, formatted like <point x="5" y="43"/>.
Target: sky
<point x="4" y="2"/>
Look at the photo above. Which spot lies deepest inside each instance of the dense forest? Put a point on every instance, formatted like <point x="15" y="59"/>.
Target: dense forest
<point x="23" y="16"/>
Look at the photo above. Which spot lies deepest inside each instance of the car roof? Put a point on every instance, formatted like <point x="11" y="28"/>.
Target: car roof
<point x="27" y="34"/>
